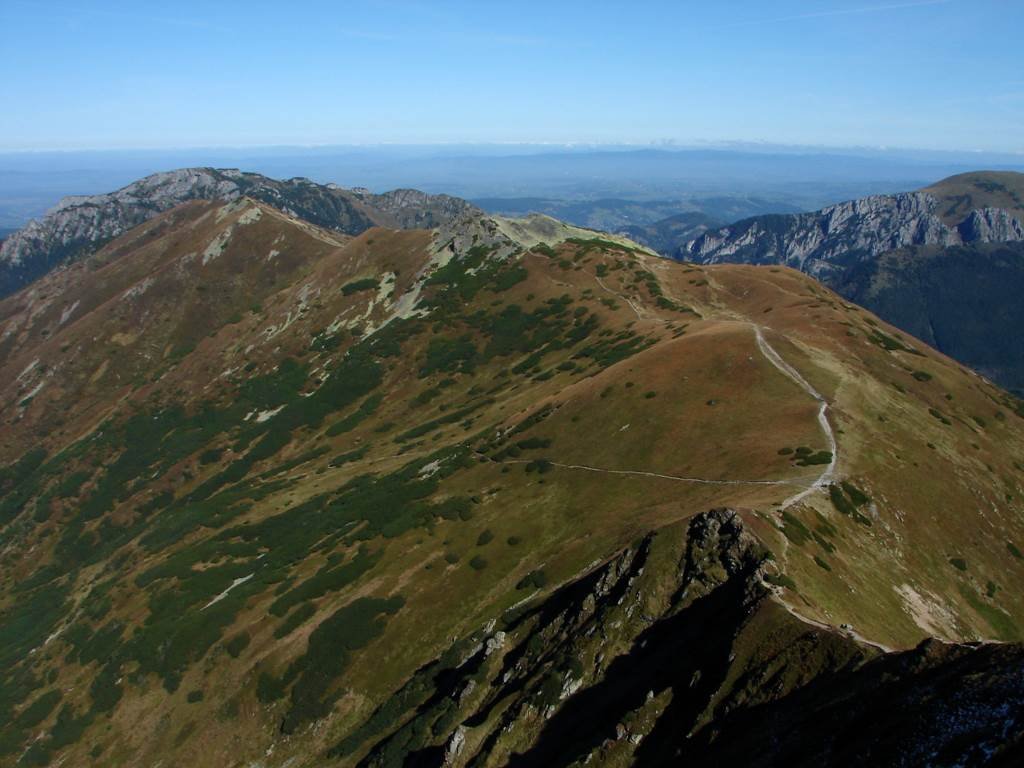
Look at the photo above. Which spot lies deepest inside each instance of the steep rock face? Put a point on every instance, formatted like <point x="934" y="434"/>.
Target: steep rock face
<point x="413" y="209"/>
<point x="611" y="654"/>
<point x="80" y="224"/>
<point x="675" y="651"/>
<point x="935" y="705"/>
<point x="827" y="242"/>
<point x="990" y="225"/>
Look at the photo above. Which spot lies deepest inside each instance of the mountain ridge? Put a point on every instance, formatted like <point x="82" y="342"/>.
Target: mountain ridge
<point x="881" y="240"/>
<point x="80" y="223"/>
<point x="249" y="460"/>
<point x="826" y="242"/>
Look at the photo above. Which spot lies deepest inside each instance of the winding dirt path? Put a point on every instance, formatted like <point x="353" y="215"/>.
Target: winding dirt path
<point x="641" y="473"/>
<point x="823" y="480"/>
<point x="786" y="369"/>
<point x="776" y="359"/>
<point x="634" y="307"/>
<point x="842" y="630"/>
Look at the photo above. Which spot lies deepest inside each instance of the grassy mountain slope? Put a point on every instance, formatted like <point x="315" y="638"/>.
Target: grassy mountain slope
<point x="270" y="493"/>
<point x="959" y="195"/>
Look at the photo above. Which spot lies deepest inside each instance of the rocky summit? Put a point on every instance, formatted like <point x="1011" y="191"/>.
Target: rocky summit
<point x="78" y="225"/>
<point x="427" y="487"/>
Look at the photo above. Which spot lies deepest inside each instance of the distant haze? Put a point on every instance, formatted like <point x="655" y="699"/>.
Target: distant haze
<point x="793" y="177"/>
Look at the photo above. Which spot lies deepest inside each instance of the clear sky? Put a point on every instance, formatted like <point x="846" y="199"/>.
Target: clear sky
<point x="940" y="74"/>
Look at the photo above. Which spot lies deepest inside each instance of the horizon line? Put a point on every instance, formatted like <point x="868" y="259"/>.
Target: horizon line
<point x="668" y="145"/>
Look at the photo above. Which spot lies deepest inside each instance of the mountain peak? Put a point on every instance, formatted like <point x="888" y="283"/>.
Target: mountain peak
<point x="959" y="195"/>
<point x="79" y="224"/>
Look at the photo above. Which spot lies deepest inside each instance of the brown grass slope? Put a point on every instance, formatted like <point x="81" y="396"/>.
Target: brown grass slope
<point x="959" y="195"/>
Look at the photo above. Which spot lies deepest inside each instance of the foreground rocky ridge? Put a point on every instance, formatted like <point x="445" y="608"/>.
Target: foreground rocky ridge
<point x="676" y="651"/>
<point x="78" y="225"/>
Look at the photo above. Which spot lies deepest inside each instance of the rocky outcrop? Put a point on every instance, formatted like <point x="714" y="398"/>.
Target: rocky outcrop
<point x="827" y="242"/>
<point x="413" y="209"/>
<point x="78" y="225"/>
<point x="990" y="225"/>
<point x="674" y="652"/>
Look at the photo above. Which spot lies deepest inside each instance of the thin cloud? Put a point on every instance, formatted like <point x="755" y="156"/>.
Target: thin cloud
<point x="838" y="12"/>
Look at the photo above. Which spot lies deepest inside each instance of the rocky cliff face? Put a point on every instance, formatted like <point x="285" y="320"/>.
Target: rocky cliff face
<point x="80" y="224"/>
<point x="674" y="651"/>
<point x="413" y="209"/>
<point x="827" y="242"/>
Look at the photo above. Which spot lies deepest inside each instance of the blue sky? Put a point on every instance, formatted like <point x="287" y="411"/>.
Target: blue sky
<point x="938" y="74"/>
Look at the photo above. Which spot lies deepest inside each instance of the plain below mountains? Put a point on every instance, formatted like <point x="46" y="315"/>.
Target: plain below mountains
<point x="943" y="263"/>
<point x="657" y="223"/>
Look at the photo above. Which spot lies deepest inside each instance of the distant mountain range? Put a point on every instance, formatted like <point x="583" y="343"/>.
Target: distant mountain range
<point x="942" y="263"/>
<point x="78" y="225"/>
<point x="971" y="208"/>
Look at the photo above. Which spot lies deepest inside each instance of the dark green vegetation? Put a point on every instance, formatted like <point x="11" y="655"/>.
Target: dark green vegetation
<point x="892" y="344"/>
<point x="780" y="580"/>
<point x="213" y="562"/>
<point x="534" y="579"/>
<point x="328" y="654"/>
<point x="356" y="286"/>
<point x="848" y="499"/>
<point x="935" y="294"/>
<point x="806" y="457"/>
